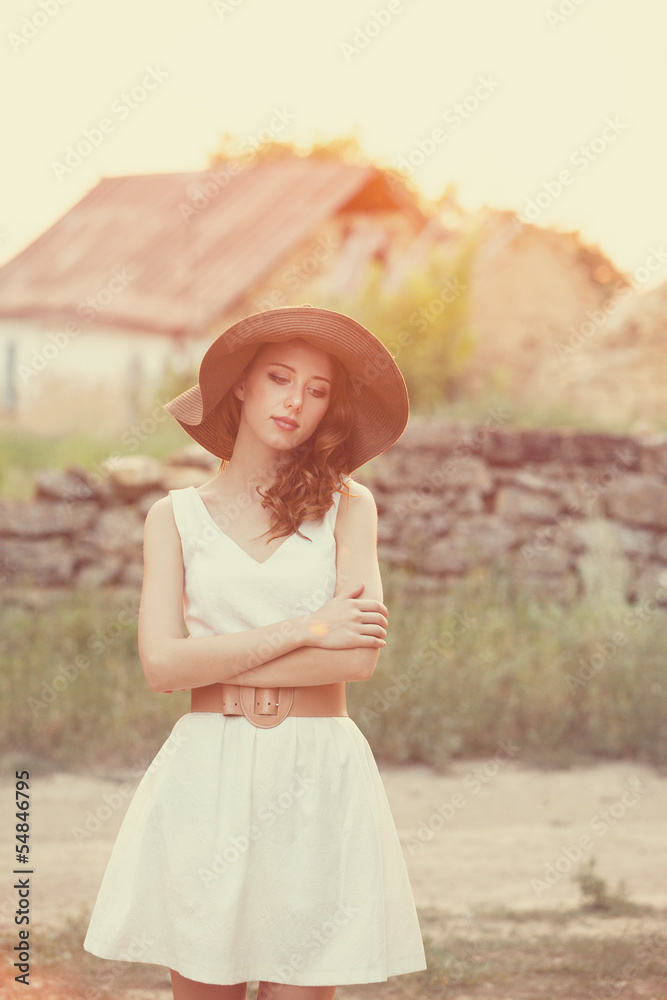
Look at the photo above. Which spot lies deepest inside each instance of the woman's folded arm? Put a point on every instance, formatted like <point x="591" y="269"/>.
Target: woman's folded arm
<point x="171" y="660"/>
<point x="285" y="653"/>
<point x="356" y="560"/>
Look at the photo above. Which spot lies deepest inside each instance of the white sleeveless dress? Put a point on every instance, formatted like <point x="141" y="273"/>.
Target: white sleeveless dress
<point x="252" y="854"/>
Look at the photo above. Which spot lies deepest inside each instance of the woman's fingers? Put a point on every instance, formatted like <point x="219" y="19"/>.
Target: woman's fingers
<point x="350" y="621"/>
<point x="372" y="608"/>
<point x="365" y="604"/>
<point x="374" y="623"/>
<point x="376" y="606"/>
<point x="374" y="618"/>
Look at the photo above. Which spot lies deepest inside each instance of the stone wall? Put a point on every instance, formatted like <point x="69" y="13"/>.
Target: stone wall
<point x="569" y="512"/>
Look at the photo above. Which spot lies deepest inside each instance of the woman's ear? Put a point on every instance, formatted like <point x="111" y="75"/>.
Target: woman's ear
<point x="239" y="389"/>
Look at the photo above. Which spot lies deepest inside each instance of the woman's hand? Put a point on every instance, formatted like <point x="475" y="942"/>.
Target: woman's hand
<point x="348" y="620"/>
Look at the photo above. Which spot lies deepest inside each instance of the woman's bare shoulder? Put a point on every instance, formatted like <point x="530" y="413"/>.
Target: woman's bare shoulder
<point x="358" y="492"/>
<point x="163" y="548"/>
<point x="160" y="507"/>
<point x="160" y="517"/>
<point x="357" y="513"/>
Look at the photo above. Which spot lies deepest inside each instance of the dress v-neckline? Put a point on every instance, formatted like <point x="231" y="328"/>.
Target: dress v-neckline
<point x="235" y="543"/>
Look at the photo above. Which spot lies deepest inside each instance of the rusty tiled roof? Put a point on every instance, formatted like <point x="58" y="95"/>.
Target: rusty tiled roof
<point x="179" y="259"/>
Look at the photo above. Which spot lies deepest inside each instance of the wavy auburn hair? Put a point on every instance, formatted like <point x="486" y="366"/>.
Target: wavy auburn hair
<point x="305" y="482"/>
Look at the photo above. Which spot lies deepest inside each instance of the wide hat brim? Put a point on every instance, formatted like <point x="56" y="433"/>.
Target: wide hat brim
<point x="377" y="392"/>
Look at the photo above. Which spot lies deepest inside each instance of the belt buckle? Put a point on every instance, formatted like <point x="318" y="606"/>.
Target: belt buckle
<point x="266" y="707"/>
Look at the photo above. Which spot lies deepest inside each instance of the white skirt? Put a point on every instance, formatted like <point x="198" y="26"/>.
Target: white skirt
<point x="252" y="854"/>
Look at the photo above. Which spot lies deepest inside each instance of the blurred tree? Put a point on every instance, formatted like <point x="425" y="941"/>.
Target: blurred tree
<point x="345" y="149"/>
<point x="423" y="318"/>
<point x="424" y="323"/>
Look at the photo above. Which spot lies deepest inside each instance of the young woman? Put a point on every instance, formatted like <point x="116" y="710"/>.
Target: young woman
<point x="259" y="845"/>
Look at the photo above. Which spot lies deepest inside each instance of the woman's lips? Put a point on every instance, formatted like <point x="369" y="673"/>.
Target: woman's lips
<point x="286" y="426"/>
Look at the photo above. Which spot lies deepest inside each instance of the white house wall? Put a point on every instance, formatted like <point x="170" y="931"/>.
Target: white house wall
<point x="54" y="383"/>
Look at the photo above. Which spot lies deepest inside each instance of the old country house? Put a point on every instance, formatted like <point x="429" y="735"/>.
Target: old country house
<point x="145" y="271"/>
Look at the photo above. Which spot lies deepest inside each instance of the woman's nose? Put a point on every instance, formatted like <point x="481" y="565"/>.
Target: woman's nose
<point x="294" y="395"/>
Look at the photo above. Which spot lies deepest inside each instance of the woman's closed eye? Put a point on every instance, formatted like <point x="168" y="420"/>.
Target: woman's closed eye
<point x="281" y="380"/>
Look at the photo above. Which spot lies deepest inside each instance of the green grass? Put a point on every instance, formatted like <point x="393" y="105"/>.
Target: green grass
<point x="72" y="688"/>
<point x="487" y="661"/>
<point x="154" y="432"/>
<point x="22" y="454"/>
<point x="463" y="670"/>
<point x="515" y="412"/>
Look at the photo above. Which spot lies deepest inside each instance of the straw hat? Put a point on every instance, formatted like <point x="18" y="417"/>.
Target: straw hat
<point x="377" y="391"/>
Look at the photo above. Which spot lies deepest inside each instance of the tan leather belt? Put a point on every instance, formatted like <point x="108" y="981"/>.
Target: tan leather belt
<point x="267" y="707"/>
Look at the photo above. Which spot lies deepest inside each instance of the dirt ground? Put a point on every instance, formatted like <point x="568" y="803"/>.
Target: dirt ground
<point x="491" y="833"/>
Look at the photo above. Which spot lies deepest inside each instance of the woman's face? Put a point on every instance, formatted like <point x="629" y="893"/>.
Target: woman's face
<point x="286" y="392"/>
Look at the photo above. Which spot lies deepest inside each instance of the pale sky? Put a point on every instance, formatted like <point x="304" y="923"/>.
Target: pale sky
<point x="545" y="88"/>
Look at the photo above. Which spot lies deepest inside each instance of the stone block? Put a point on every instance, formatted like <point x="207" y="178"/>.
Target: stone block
<point x="387" y="529"/>
<point x="638" y="498"/>
<point x="55" y="484"/>
<point x="661" y="548"/>
<point x="650" y="585"/>
<point x="93" y="485"/>
<point x="587" y="449"/>
<point x="582" y="497"/>
<point x="529" y="480"/>
<point x="406" y="505"/>
<point x="117" y="530"/>
<point x="472" y="542"/>
<point x="394" y="555"/>
<point x="439" y="522"/>
<point x="517" y="504"/>
<point x="540" y="445"/>
<point x="516" y="446"/>
<point x="449" y="554"/>
<point x="105" y="569"/>
<point x="502" y="447"/>
<point x="469" y="502"/>
<point x="432" y="435"/>
<point x="460" y="472"/>
<point x="603" y="534"/>
<point x="653" y="448"/>
<point x="636" y="542"/>
<point x="426" y="473"/>
<point x="45" y="517"/>
<point x="132" y="475"/>
<point x="42" y="562"/>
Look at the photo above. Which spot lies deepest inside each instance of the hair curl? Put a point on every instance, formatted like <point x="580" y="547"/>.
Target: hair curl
<point x="303" y="487"/>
